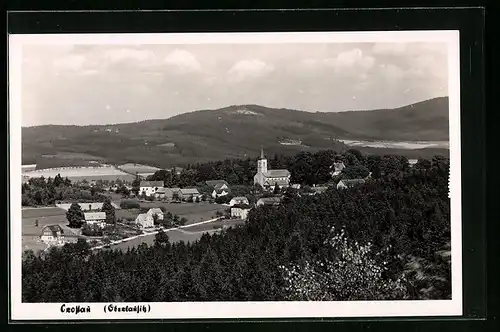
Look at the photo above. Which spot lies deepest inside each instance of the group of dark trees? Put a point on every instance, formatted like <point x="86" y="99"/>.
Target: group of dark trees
<point x="42" y="192"/>
<point x="76" y="216"/>
<point x="305" y="168"/>
<point x="394" y="233"/>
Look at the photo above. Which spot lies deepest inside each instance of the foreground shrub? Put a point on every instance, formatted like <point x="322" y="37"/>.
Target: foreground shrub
<point x="355" y="274"/>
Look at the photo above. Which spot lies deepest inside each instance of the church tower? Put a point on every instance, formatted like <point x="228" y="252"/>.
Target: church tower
<point x="262" y="162"/>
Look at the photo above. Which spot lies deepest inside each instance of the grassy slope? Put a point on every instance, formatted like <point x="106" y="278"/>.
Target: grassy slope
<point x="206" y="135"/>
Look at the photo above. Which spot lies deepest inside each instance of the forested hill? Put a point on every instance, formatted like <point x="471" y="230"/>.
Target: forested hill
<point x="236" y="132"/>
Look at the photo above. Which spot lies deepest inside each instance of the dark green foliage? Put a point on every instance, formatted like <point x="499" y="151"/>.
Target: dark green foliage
<point x="129" y="204"/>
<point x="91" y="230"/>
<point x="407" y="211"/>
<point x="44" y="192"/>
<point x="110" y="212"/>
<point x="75" y="216"/>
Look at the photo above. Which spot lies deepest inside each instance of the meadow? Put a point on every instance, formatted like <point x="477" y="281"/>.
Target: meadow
<point x="83" y="173"/>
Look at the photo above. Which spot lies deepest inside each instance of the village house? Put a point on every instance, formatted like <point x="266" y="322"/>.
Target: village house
<point x="344" y="184"/>
<point x="318" y="190"/>
<point x="269" y="178"/>
<point x="189" y="194"/>
<point x="145" y="220"/>
<point x="149" y="188"/>
<point x="295" y="186"/>
<point x="240" y="211"/>
<point x="412" y="162"/>
<point x="160" y="193"/>
<point x="238" y="200"/>
<point x="337" y="168"/>
<point x="272" y="201"/>
<point x="52" y="234"/>
<point x="156" y="211"/>
<point x="95" y="218"/>
<point x="167" y="193"/>
<point x="220" y="187"/>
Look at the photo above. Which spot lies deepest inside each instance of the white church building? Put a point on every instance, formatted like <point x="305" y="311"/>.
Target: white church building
<point x="268" y="178"/>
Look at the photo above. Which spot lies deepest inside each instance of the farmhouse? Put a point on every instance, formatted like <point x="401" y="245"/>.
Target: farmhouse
<point x="161" y="193"/>
<point x="269" y="178"/>
<point x="344" y="184"/>
<point x="238" y="200"/>
<point x="337" y="168"/>
<point x="412" y="162"/>
<point x="52" y="234"/>
<point x="220" y="187"/>
<point x="272" y="201"/>
<point x="189" y="194"/>
<point x="156" y="211"/>
<point x="95" y="218"/>
<point x="145" y="220"/>
<point x="149" y="188"/>
<point x="240" y="211"/>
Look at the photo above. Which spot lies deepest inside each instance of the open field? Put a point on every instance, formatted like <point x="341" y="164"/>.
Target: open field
<point x="194" y="212"/>
<point x="138" y="168"/>
<point x="42" y="212"/>
<point x="81" y="173"/>
<point x="188" y="234"/>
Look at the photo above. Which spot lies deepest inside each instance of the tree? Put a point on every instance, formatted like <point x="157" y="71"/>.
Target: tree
<point x="136" y="184"/>
<point x="277" y="189"/>
<point x="183" y="221"/>
<point x="161" y="238"/>
<point x="155" y="219"/>
<point x="109" y="209"/>
<point x="36" y="223"/>
<point x="355" y="172"/>
<point x="75" y="216"/>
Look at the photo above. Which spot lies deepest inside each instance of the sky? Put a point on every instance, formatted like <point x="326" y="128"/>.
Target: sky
<point x="103" y="84"/>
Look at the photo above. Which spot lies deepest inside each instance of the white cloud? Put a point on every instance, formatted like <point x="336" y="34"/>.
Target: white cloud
<point x="129" y="54"/>
<point x="389" y="48"/>
<point x="70" y="62"/>
<point x="352" y="59"/>
<point x="183" y="60"/>
<point x="249" y="69"/>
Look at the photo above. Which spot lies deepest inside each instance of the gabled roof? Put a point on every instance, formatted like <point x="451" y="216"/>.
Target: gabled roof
<point x="53" y="229"/>
<point x="270" y="200"/>
<point x="142" y="217"/>
<point x="352" y="182"/>
<point x="273" y="182"/>
<point x="277" y="173"/>
<point x="220" y="186"/>
<point x="239" y="198"/>
<point x="319" y="189"/>
<point x="155" y="211"/>
<point x="189" y="191"/>
<point x="214" y="183"/>
<point x="220" y="191"/>
<point x="95" y="215"/>
<point x="153" y="184"/>
<point x="161" y="190"/>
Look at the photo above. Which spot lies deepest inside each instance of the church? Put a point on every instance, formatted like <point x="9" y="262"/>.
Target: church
<point x="269" y="178"/>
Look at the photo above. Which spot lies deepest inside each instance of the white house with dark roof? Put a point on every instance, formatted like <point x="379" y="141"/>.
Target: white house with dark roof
<point x="240" y="211"/>
<point x="52" y="234"/>
<point x="95" y="218"/>
<point x="337" y="168"/>
<point x="268" y="178"/>
<point x="149" y="188"/>
<point x="271" y="201"/>
<point x="145" y="220"/>
<point x="238" y="200"/>
<point x="189" y="194"/>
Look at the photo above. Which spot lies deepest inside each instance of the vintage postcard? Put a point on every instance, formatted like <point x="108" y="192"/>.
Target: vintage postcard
<point x="235" y="175"/>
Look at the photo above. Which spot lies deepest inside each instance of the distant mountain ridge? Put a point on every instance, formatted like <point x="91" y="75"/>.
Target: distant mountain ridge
<point x="236" y="131"/>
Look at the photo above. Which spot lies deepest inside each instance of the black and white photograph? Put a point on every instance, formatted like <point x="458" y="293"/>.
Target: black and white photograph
<point x="235" y="175"/>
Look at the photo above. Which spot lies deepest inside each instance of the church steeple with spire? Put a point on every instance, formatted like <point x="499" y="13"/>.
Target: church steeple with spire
<point x="262" y="162"/>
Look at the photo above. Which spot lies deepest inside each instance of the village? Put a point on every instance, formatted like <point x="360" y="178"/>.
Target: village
<point x="134" y="212"/>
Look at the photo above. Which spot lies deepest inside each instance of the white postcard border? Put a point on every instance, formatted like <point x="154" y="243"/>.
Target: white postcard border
<point x="221" y="310"/>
